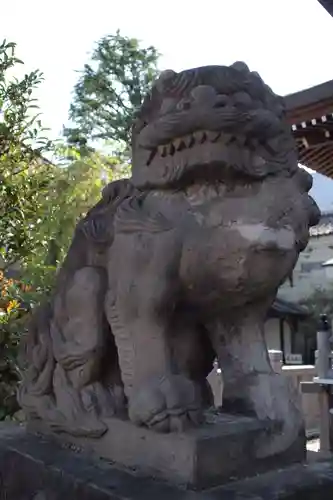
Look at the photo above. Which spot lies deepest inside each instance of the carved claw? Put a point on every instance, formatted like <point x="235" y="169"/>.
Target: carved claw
<point x="167" y="404"/>
<point x="84" y="427"/>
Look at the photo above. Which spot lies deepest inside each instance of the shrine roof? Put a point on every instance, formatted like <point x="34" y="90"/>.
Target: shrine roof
<point x="310" y="114"/>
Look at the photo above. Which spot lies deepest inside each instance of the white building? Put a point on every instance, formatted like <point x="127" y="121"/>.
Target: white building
<point x="314" y="269"/>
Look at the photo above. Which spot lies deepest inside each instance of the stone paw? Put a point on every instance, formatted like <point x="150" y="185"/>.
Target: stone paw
<point x="167" y="404"/>
<point x="103" y="401"/>
<point x="84" y="426"/>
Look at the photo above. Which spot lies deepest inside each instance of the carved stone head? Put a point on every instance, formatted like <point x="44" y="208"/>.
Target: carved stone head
<point x="211" y="121"/>
<point x="223" y="126"/>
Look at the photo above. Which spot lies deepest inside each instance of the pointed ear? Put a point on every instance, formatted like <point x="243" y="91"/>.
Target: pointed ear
<point x="165" y="77"/>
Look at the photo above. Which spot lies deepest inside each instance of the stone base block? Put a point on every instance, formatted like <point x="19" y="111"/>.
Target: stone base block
<point x="37" y="468"/>
<point x="218" y="452"/>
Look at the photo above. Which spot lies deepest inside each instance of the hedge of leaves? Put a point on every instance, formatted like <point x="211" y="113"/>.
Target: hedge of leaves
<point x="41" y="202"/>
<point x="14" y="310"/>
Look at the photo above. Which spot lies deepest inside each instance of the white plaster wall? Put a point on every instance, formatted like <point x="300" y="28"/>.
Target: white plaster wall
<point x="319" y="250"/>
<point x="329" y="273"/>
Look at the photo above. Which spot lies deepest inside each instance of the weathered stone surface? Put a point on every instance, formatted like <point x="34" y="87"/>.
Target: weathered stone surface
<point x="300" y="482"/>
<point x="35" y="468"/>
<point x="31" y="466"/>
<point x="178" y="266"/>
<point x="215" y="453"/>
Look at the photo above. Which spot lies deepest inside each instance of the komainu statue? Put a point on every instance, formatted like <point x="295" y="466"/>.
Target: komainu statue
<point x="178" y="266"/>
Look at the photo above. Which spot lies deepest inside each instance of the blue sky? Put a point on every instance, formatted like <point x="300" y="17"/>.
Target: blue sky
<point x="287" y="41"/>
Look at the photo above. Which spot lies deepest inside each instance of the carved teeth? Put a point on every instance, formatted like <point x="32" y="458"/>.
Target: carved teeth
<point x="189" y="141"/>
<point x="226" y="138"/>
<point x="186" y="142"/>
<point x="179" y="143"/>
<point x="151" y="156"/>
<point x="213" y="136"/>
<point x="252" y="148"/>
<point x="200" y="136"/>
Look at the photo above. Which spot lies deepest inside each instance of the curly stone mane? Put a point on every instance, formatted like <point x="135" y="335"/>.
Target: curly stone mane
<point x="215" y="117"/>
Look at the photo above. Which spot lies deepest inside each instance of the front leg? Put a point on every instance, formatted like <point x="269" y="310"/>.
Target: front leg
<point x="250" y="385"/>
<point x="140" y="305"/>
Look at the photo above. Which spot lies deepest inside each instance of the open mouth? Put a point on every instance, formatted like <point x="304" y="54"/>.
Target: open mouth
<point x="205" y="147"/>
<point x="215" y="139"/>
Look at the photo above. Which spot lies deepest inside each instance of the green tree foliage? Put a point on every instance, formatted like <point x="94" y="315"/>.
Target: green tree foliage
<point x="72" y="192"/>
<point x="24" y="179"/>
<point x="111" y="87"/>
<point x="24" y="173"/>
<point x="40" y="203"/>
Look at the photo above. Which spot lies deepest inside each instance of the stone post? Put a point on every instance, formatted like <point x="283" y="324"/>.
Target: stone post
<point x="324" y="371"/>
<point x="275" y="357"/>
<point x="316" y="360"/>
<point x="323" y="362"/>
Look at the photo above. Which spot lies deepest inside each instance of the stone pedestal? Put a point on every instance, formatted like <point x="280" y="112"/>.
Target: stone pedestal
<point x="36" y="468"/>
<point x="223" y="449"/>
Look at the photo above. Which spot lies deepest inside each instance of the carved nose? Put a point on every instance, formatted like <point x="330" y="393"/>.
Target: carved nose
<point x="204" y="94"/>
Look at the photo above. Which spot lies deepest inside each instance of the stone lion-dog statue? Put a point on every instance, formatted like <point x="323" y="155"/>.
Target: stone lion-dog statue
<point x="178" y="266"/>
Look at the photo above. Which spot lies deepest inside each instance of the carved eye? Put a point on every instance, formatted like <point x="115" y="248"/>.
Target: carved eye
<point x="242" y="99"/>
<point x="222" y="100"/>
